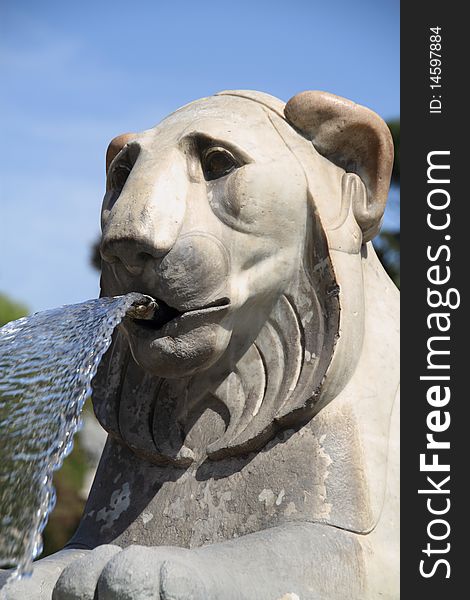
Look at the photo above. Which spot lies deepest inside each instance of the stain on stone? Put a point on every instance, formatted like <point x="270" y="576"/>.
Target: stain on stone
<point x="119" y="503"/>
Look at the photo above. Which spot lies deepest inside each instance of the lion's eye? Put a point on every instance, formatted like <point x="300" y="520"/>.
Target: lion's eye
<point x="118" y="177"/>
<point x="122" y="166"/>
<point x="218" y="162"/>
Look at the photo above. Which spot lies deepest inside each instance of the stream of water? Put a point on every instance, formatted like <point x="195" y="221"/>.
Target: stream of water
<point x="47" y="362"/>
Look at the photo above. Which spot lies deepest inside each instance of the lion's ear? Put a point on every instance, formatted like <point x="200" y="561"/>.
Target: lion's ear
<point x="354" y="138"/>
<point x="116" y="145"/>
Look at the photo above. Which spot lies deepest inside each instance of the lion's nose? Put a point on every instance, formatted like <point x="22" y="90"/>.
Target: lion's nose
<point x="134" y="245"/>
<point x="146" y="219"/>
<point x="133" y="252"/>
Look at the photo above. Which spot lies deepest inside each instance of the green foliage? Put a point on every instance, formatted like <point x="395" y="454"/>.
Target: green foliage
<point x="11" y="310"/>
<point x="387" y="246"/>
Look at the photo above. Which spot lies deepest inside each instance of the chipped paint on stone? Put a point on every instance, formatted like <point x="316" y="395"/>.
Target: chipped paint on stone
<point x="280" y="497"/>
<point x="309" y="356"/>
<point x="146" y="517"/>
<point x="119" y="502"/>
<point x="326" y="506"/>
<point x="268" y="497"/>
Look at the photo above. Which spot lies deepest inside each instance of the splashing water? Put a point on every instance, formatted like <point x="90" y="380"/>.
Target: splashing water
<point x="47" y="362"/>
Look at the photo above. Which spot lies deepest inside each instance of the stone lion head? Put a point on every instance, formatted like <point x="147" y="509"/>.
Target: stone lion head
<point x="248" y="221"/>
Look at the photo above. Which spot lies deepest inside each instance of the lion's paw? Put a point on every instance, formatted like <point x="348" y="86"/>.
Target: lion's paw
<point x="78" y="579"/>
<point x="136" y="573"/>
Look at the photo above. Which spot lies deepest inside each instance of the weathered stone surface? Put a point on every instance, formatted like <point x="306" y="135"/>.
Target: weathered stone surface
<point x="78" y="579"/>
<point x="45" y="575"/>
<point x="252" y="437"/>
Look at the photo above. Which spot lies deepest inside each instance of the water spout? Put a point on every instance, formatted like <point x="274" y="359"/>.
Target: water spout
<point x="47" y="363"/>
<point x="143" y="308"/>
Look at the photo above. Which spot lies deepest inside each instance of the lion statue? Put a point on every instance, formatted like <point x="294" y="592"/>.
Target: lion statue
<point x="252" y="448"/>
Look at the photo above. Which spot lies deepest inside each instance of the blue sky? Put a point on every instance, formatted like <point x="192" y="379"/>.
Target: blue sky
<point x="75" y="74"/>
